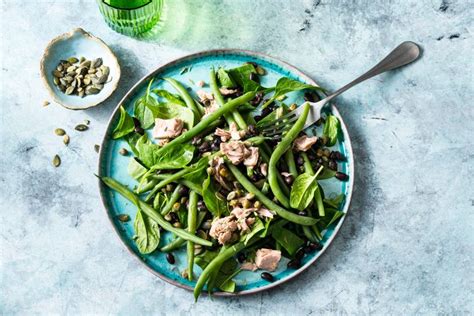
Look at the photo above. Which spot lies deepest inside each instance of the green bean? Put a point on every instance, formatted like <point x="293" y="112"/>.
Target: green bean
<point x="173" y="199"/>
<point x="148" y="210"/>
<point x="292" y="217"/>
<point x="317" y="194"/>
<point x="206" y="121"/>
<point x="279" y="150"/>
<point x="192" y="222"/>
<point x="215" y="265"/>
<point x="178" y="242"/>
<point x="218" y="96"/>
<point x="172" y="178"/>
<point x="147" y="187"/>
<point x="266" y="158"/>
<point x="186" y="97"/>
<point x="290" y="161"/>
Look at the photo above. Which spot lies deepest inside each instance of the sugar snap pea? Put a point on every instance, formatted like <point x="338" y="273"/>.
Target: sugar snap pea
<point x="148" y="210"/>
<point x="280" y="149"/>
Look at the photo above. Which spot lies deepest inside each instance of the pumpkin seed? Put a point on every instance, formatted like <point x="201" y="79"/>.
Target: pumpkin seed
<point x="96" y="62"/>
<point x="71" y="68"/>
<point x="68" y="79"/>
<point x="82" y="59"/>
<point x="74" y="83"/>
<point x="70" y="90"/>
<point x="123" y="218"/>
<point x="98" y="86"/>
<point x="56" y="161"/>
<point x="261" y="71"/>
<point x="60" y="67"/>
<point x="98" y="73"/>
<point x="123" y="151"/>
<point x="102" y="79"/>
<point x="92" y="90"/>
<point x="96" y="148"/>
<point x="66" y="140"/>
<point x="45" y="103"/>
<point x="81" y="127"/>
<point x="59" y="132"/>
<point x="81" y="93"/>
<point x="91" y="71"/>
<point x="78" y="81"/>
<point x="72" y="60"/>
<point x="86" y="63"/>
<point x="87" y="81"/>
<point x="57" y="74"/>
<point x="62" y="88"/>
<point x="56" y="81"/>
<point x="105" y="70"/>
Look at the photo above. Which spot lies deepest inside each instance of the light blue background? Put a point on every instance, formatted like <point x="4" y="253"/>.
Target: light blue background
<point x="407" y="244"/>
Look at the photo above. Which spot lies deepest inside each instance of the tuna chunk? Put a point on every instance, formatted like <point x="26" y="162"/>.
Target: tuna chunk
<point x="252" y="159"/>
<point x="304" y="143"/>
<point x="250" y="266"/>
<point x="223" y="134"/>
<point x="267" y="259"/>
<point x="223" y="229"/>
<point x="167" y="128"/>
<point x="205" y="97"/>
<point x="211" y="108"/>
<point x="235" y="151"/>
<point x="235" y="133"/>
<point x="264" y="169"/>
<point x="226" y="91"/>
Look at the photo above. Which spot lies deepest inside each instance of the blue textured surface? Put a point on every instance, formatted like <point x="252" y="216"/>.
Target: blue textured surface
<point x="406" y="247"/>
<point x="115" y="165"/>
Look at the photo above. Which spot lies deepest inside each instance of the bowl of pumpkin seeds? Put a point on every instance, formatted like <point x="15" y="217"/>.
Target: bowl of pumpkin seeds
<point x="79" y="70"/>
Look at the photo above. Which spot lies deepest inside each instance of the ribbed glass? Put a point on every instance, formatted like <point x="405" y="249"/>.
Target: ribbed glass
<point x="131" y="21"/>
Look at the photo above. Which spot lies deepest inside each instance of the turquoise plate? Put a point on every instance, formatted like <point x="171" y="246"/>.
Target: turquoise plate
<point x="114" y="165"/>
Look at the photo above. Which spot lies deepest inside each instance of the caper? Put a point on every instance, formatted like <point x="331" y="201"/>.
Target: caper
<point x="123" y="152"/>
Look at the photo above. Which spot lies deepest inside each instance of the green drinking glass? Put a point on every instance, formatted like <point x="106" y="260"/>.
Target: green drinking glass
<point x="131" y="17"/>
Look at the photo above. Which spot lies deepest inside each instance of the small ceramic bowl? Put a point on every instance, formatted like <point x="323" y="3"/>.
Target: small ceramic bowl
<point x="78" y="43"/>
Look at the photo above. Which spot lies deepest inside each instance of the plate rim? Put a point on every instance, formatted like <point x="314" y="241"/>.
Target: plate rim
<point x="243" y="52"/>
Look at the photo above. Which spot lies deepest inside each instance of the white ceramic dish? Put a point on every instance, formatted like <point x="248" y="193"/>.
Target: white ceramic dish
<point x="78" y="43"/>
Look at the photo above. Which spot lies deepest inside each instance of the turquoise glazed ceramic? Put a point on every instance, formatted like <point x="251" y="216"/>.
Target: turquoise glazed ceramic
<point x="114" y="165"/>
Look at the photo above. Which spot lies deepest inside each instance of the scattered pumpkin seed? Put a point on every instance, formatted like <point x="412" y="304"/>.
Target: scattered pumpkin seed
<point x="123" y="218"/>
<point x="59" y="132"/>
<point x="81" y="127"/>
<point x="261" y="71"/>
<point x="56" y="161"/>
<point x="66" y="139"/>
<point x="70" y="90"/>
<point x="96" y="148"/>
<point x="92" y="90"/>
<point x="96" y="63"/>
<point x="46" y="103"/>
<point x="123" y="152"/>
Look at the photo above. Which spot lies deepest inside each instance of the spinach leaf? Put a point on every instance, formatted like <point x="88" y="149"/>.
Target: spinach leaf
<point x="241" y="75"/>
<point x="331" y="217"/>
<point x="302" y="191"/>
<point x="197" y="172"/>
<point x="147" y="233"/>
<point x="135" y="169"/>
<point x="170" y="97"/>
<point x="285" y="85"/>
<point x="132" y="139"/>
<point x="205" y="258"/>
<point x="257" y="228"/>
<point x="288" y="240"/>
<point x="326" y="174"/>
<point x="222" y="279"/>
<point x="145" y="108"/>
<point x="168" y="111"/>
<point x="214" y="201"/>
<point x="335" y="202"/>
<point x="331" y="129"/>
<point x="224" y="78"/>
<point x="174" y="157"/>
<point x="124" y="126"/>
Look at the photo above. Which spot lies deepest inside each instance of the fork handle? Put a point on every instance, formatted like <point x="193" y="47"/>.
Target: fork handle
<point x="405" y="53"/>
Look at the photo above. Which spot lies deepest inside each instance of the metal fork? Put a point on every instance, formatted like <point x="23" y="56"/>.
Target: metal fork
<point x="405" y="53"/>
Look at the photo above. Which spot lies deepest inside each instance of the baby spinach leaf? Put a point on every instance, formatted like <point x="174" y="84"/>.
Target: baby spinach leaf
<point x="257" y="228"/>
<point x="124" y="126"/>
<point x="331" y="129"/>
<point x="302" y="191"/>
<point x="175" y="157"/>
<point x="288" y="240"/>
<point x="331" y="217"/>
<point x="224" y="78"/>
<point x="205" y="258"/>
<point x="335" y="202"/>
<point x="132" y="139"/>
<point x="214" y="201"/>
<point x="135" y="169"/>
<point x="326" y="174"/>
<point x="147" y="233"/>
<point x="170" y="97"/>
<point x="145" y="111"/>
<point x="285" y="85"/>
<point x="197" y="172"/>
<point x="241" y="75"/>
<point x="168" y="111"/>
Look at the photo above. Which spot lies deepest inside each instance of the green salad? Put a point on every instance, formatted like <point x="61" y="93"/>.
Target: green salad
<point x="232" y="197"/>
